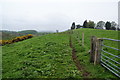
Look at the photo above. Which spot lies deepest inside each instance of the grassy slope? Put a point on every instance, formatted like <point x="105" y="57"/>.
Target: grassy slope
<point x="49" y="56"/>
<point x="82" y="52"/>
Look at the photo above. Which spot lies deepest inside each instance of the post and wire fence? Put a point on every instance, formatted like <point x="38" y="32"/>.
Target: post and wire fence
<point x="98" y="55"/>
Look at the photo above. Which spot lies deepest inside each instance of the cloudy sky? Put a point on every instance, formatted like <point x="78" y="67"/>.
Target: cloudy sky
<point x="52" y="15"/>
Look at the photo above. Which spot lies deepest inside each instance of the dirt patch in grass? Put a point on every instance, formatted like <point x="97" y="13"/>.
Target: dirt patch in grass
<point x="85" y="73"/>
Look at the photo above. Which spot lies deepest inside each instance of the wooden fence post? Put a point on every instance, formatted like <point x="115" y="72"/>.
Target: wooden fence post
<point x="96" y="45"/>
<point x="83" y="39"/>
<point x="92" y="51"/>
<point x="97" y="51"/>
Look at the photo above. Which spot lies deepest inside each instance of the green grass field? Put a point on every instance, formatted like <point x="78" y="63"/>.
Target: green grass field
<point x="50" y="56"/>
<point x="82" y="52"/>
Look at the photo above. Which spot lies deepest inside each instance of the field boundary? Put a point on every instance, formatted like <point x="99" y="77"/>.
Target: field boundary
<point x="97" y="53"/>
<point x="98" y="56"/>
<point x="76" y="61"/>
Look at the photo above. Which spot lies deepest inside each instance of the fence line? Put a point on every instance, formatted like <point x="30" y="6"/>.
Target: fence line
<point x="98" y="56"/>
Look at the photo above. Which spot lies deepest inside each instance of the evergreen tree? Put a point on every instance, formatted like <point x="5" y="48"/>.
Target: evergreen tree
<point x="85" y="24"/>
<point x="73" y="26"/>
<point x="108" y="25"/>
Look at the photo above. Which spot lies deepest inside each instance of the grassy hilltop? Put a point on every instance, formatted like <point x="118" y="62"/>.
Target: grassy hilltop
<point x="50" y="56"/>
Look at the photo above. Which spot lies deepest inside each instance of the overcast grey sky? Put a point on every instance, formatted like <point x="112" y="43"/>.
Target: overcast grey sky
<point x="51" y="15"/>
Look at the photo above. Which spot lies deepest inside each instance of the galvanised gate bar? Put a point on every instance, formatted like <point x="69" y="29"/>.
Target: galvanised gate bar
<point x="112" y="64"/>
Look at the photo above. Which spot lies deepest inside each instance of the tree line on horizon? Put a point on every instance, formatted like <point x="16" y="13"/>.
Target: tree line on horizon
<point x="100" y="25"/>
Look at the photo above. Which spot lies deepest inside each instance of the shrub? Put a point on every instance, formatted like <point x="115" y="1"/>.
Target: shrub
<point x="17" y="39"/>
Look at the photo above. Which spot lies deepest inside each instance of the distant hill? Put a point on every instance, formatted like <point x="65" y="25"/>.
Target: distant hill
<point x="28" y="32"/>
<point x="6" y="35"/>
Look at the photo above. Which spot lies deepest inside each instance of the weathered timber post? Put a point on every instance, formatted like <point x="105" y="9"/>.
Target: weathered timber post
<point x="83" y="39"/>
<point x="97" y="51"/>
<point x="92" y="51"/>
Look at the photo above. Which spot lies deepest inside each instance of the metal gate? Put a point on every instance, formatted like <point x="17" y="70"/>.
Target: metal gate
<point x="111" y="63"/>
